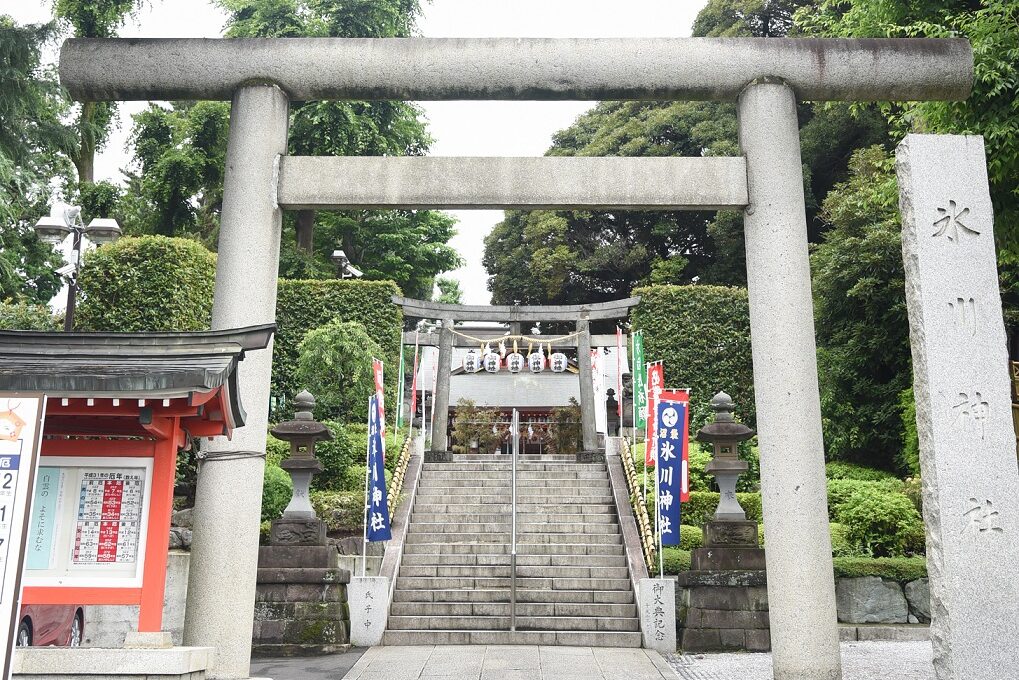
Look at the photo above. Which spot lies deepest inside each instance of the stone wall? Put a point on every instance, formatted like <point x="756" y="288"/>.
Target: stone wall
<point x="108" y="625"/>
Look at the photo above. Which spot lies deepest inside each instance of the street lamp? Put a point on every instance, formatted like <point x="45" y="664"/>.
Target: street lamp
<point x="53" y="229"/>
<point x="347" y="270"/>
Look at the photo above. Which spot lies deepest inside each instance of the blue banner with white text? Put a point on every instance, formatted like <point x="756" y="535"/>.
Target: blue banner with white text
<point x="377" y="503"/>
<point x="670" y="420"/>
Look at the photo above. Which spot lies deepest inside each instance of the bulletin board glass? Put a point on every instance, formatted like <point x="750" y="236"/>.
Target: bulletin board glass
<point x="88" y="524"/>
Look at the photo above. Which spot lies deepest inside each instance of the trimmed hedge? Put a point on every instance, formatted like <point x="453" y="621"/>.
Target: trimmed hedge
<point x="901" y="569"/>
<point x="837" y="469"/>
<point x="276" y="491"/>
<point x="882" y="524"/>
<point x="147" y="283"/>
<point x="302" y="306"/>
<point x="674" y="561"/>
<point x="690" y="537"/>
<point x="702" y="334"/>
<point x="841" y="490"/>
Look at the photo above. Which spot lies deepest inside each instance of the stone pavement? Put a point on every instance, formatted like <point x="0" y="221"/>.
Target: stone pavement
<point x="510" y="662"/>
<point x="860" y="661"/>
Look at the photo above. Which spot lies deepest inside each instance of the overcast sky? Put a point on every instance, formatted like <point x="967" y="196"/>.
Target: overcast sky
<point x="459" y="128"/>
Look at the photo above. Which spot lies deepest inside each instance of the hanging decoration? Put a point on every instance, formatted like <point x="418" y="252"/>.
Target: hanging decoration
<point x="472" y="361"/>
<point x="559" y="362"/>
<point x="493" y="362"/>
<point x="536" y="360"/>
<point x="515" y="360"/>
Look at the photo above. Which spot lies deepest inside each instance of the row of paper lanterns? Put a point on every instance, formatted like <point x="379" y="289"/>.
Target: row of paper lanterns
<point x="491" y="361"/>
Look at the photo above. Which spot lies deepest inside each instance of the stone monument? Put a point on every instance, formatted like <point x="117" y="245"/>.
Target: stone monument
<point x="301" y="593"/>
<point x="963" y="406"/>
<point x="725" y="592"/>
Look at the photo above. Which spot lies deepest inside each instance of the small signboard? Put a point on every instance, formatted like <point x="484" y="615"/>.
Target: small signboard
<point x="21" y="417"/>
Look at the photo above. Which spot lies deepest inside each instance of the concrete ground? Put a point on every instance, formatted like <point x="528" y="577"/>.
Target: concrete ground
<point x="329" y="667"/>
<point x="860" y="661"/>
<point x="509" y="662"/>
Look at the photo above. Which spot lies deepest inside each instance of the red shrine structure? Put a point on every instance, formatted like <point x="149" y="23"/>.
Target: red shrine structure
<point x="119" y="408"/>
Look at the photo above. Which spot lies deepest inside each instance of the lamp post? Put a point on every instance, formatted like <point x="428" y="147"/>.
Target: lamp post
<point x="53" y="229"/>
<point x="347" y="270"/>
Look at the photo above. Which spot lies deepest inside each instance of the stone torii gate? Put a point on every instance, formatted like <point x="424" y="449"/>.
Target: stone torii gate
<point x="515" y="315"/>
<point x="764" y="77"/>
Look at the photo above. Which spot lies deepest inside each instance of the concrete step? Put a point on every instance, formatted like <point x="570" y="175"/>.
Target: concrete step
<point x="498" y="458"/>
<point x="507" y="475"/>
<point x="505" y="508"/>
<point x="540" y="528"/>
<point x="520" y="637"/>
<point x="490" y="582"/>
<point x="565" y="549"/>
<point x="556" y="623"/>
<point x="475" y="494"/>
<point x="537" y="596"/>
<point x="523" y="571"/>
<point x="500" y="559"/>
<point x="521" y="465"/>
<point x="475" y="483"/>
<point x="566" y="609"/>
<point x="485" y="517"/>
<point x="414" y="536"/>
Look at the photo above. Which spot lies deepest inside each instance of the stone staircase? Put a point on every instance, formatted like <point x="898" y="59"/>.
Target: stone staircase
<point x="573" y="585"/>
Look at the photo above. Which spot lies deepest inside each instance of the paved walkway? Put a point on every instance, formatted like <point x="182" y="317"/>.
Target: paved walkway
<point x="510" y="662"/>
<point x="860" y="661"/>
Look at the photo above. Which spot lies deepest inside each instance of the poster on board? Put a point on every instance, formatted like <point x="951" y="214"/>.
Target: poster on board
<point x="21" y="417"/>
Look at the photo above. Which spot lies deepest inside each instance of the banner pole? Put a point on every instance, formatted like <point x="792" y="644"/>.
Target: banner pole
<point x="367" y="478"/>
<point x="399" y="390"/>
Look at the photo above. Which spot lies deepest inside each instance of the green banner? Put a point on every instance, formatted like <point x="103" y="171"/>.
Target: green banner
<point x="399" y="391"/>
<point x="639" y="382"/>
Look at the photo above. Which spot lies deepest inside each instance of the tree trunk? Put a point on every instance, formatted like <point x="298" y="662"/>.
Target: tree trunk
<point x="84" y="161"/>
<point x="305" y="228"/>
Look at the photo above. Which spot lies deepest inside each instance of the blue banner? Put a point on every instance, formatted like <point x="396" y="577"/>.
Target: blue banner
<point x="377" y="503"/>
<point x="670" y="419"/>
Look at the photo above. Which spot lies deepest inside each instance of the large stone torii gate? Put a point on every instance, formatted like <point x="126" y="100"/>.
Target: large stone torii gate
<point x="765" y="77"/>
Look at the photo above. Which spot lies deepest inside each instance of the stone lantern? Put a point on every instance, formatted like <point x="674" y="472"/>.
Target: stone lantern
<point x="729" y="528"/>
<point x="299" y="524"/>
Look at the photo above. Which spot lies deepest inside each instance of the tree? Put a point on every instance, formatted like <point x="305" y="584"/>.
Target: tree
<point x="32" y="138"/>
<point x="575" y="257"/>
<point x="335" y="365"/>
<point x="450" y="292"/>
<point x="92" y="19"/>
<point x="860" y="313"/>
<point x="992" y="110"/>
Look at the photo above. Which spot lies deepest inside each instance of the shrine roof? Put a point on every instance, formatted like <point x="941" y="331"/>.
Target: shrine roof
<point x="128" y="365"/>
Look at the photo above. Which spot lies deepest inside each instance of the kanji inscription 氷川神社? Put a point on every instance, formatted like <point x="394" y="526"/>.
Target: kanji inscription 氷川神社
<point x="963" y="405"/>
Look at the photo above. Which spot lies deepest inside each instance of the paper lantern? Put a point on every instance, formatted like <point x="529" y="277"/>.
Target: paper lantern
<point x="558" y="362"/>
<point x="536" y="362"/>
<point x="472" y="362"/>
<point x="492" y="362"/>
<point x="515" y="362"/>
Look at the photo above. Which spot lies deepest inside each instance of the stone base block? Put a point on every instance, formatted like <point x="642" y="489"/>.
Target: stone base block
<point x="51" y="663"/>
<point x="725" y="639"/>
<point x="727" y="559"/>
<point x="884" y="633"/>
<point x="590" y="456"/>
<point x="734" y="534"/>
<point x="723" y="611"/>
<point x="369" y="607"/>
<point x="292" y="556"/>
<point x="301" y="610"/>
<point x="297" y="532"/>
<point x="730" y="579"/>
<point x="271" y="650"/>
<point x="438" y="456"/>
<point x="657" y="598"/>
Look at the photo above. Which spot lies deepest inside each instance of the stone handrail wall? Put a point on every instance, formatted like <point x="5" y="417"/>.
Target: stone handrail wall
<point x="396" y="485"/>
<point x="647" y="534"/>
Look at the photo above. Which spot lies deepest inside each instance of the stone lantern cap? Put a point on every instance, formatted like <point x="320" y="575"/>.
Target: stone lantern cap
<point x="301" y="433"/>
<point x="723" y="427"/>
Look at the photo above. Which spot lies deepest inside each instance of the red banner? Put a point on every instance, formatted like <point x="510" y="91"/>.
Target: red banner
<point x="414" y="383"/>
<point x="655" y="384"/>
<point x="619" y="376"/>
<point x="379" y="389"/>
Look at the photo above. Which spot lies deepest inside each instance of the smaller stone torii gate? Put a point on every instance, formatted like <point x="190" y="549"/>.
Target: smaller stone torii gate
<point x="765" y="78"/>
<point x="580" y="315"/>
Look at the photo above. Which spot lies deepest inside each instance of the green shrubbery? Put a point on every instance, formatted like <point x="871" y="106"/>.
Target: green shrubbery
<point x="841" y="546"/>
<point x="837" y="469"/>
<point x="149" y="283"/>
<point x="901" y="569"/>
<point x="702" y="333"/>
<point x="674" y="561"/>
<point x="276" y="491"/>
<point x="881" y="524"/>
<point x="690" y="537"/>
<point x="841" y="490"/>
<point x="335" y="364"/>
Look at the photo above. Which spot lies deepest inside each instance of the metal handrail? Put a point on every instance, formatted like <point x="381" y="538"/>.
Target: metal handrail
<point x="513" y="547"/>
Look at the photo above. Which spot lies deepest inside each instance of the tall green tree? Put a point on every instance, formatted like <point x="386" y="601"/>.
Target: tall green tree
<point x="860" y="313"/>
<point x="32" y="141"/>
<point x="93" y="120"/>
<point x="572" y="257"/>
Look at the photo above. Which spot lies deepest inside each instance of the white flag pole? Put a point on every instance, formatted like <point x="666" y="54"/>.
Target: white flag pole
<point x="367" y="481"/>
